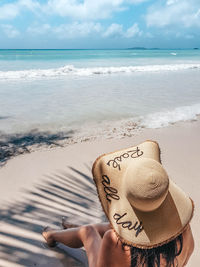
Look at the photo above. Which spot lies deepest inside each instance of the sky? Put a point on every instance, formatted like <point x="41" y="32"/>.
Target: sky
<point x="99" y="24"/>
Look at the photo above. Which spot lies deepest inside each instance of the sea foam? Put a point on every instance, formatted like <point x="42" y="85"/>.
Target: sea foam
<point x="128" y="127"/>
<point x="71" y="70"/>
<point x="166" y="118"/>
<point x="14" y="144"/>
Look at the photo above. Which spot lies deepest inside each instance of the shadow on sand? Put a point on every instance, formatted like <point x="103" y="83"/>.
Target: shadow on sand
<point x="15" y="144"/>
<point x="71" y="194"/>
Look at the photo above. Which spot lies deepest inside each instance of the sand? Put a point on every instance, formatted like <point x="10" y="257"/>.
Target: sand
<point x="37" y="189"/>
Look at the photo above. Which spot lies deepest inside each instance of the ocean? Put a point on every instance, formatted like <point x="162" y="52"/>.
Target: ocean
<point x="76" y="95"/>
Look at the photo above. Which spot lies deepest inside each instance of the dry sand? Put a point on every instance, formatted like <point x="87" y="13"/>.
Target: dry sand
<point x="37" y="189"/>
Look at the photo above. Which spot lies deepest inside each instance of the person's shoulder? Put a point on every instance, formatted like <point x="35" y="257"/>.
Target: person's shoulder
<point x="110" y="237"/>
<point x="112" y="252"/>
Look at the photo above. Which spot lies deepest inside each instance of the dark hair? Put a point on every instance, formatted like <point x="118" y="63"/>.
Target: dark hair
<point x="151" y="257"/>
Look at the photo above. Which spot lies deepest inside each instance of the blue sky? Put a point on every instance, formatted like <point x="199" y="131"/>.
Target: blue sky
<point x="99" y="23"/>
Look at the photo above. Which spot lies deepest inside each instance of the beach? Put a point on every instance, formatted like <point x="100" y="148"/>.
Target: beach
<point x="79" y="79"/>
<point x="61" y="109"/>
<point x="38" y="188"/>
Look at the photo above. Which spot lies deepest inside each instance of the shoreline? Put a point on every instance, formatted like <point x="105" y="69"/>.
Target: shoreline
<point x="13" y="145"/>
<point x="38" y="188"/>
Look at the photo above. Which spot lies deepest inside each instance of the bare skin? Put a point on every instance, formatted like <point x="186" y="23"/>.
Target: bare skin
<point x="102" y="246"/>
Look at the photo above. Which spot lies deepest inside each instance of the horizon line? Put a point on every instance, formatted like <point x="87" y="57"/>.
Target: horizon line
<point x="128" y="48"/>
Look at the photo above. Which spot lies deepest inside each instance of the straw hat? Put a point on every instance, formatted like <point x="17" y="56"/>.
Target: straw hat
<point x="145" y="208"/>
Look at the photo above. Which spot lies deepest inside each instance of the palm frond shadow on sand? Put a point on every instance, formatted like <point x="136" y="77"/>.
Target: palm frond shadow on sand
<point x="71" y="194"/>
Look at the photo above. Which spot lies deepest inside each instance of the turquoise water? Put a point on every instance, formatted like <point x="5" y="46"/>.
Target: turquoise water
<point x="70" y="54"/>
<point x="25" y="59"/>
<point x="97" y="92"/>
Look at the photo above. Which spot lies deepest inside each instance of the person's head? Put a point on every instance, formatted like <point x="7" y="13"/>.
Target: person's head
<point x="145" y="208"/>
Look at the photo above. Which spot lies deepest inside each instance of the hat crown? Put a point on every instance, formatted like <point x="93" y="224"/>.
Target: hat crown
<point x="146" y="184"/>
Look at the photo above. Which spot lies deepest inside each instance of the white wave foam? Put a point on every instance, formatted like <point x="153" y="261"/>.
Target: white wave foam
<point x="128" y="127"/>
<point x="165" y="118"/>
<point x="125" y="127"/>
<point x="71" y="70"/>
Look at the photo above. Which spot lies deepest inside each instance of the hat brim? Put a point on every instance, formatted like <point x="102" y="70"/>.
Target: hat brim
<point x="135" y="227"/>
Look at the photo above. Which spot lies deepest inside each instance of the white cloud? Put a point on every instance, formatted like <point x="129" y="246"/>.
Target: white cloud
<point x="76" y="9"/>
<point x="116" y="30"/>
<point x="11" y="11"/>
<point x="197" y="15"/>
<point x="76" y="29"/>
<point x="137" y="1"/>
<point x="171" y="2"/>
<point x="10" y="31"/>
<point x="132" y="31"/>
<point x="66" y="31"/>
<point x="183" y="13"/>
<point x="87" y="9"/>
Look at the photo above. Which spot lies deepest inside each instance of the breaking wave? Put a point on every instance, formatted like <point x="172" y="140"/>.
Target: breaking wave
<point x="71" y="70"/>
<point x="19" y="143"/>
<point x="166" y="118"/>
<point x="128" y="127"/>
